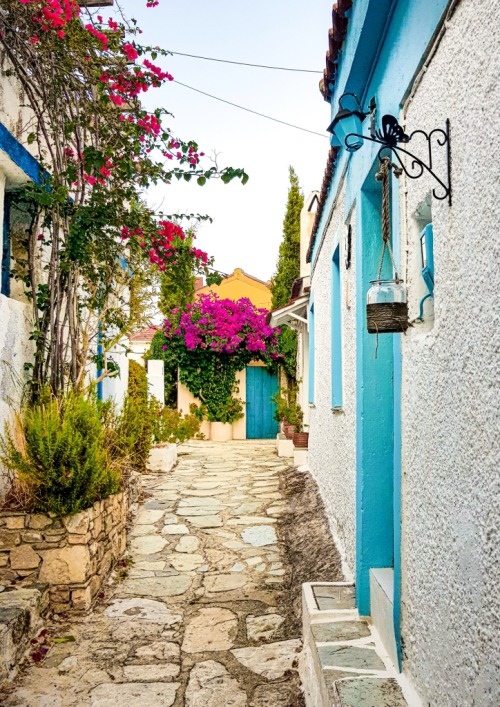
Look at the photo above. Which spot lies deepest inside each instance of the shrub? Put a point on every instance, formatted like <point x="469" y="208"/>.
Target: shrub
<point x="137" y="381"/>
<point x="135" y="424"/>
<point x="57" y="450"/>
<point x="287" y="408"/>
<point x="171" y="426"/>
<point x="226" y="411"/>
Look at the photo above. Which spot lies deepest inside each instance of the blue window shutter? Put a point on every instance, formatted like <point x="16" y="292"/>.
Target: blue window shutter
<point x="336" y="332"/>
<point x="312" y="353"/>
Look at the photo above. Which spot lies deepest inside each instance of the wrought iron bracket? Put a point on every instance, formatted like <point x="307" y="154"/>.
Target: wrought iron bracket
<point x="392" y="136"/>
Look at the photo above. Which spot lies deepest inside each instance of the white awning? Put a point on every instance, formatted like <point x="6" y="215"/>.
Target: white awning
<point x="293" y="314"/>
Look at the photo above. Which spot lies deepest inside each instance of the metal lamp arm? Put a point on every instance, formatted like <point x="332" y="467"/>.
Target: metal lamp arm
<point x="418" y="166"/>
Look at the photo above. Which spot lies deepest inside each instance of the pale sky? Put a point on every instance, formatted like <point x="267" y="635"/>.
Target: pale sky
<point x="247" y="220"/>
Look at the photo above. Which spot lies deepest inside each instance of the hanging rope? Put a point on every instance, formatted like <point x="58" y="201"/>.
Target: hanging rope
<point x="386" y="316"/>
<point x="383" y="176"/>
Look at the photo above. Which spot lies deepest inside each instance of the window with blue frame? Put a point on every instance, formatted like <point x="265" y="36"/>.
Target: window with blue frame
<point x="18" y="221"/>
<point x="336" y="332"/>
<point x="312" y="353"/>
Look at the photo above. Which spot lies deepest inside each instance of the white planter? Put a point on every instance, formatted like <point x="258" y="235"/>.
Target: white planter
<point x="162" y="458"/>
<point x="205" y="429"/>
<point x="221" y="432"/>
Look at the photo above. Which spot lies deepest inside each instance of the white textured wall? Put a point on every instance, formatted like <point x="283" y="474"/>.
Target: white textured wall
<point x="15" y="351"/>
<point x="451" y="511"/>
<point x="332" y="447"/>
<point x="15" y="315"/>
<point x="307" y="216"/>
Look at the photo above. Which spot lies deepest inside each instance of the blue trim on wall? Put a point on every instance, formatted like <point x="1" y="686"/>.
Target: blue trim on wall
<point x="312" y="353"/>
<point x="336" y="332"/>
<point x="20" y="155"/>
<point x="374" y="410"/>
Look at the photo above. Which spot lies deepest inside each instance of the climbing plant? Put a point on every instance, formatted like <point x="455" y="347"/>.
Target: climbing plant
<point x="81" y="78"/>
<point x="211" y="340"/>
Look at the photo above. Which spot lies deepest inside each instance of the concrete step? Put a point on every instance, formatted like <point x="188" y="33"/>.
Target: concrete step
<point x="341" y="664"/>
<point x="382" y="608"/>
<point x="20" y="621"/>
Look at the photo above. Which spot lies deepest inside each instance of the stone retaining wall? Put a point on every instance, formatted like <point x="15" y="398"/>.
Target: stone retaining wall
<point x="73" y="554"/>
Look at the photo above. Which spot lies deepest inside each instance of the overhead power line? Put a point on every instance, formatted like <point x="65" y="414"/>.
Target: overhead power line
<point x="248" y="110"/>
<point x="244" y="63"/>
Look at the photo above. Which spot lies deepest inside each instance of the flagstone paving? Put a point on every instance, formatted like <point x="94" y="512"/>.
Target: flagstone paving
<point x="201" y="618"/>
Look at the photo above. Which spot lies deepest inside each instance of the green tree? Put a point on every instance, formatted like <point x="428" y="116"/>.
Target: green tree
<point x="288" y="265"/>
<point x="287" y="271"/>
<point x="177" y="284"/>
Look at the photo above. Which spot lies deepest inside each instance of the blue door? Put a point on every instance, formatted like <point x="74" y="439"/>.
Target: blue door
<point x="261" y="385"/>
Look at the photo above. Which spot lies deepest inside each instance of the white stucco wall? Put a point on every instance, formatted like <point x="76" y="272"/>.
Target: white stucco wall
<point x="332" y="441"/>
<point x="137" y="349"/>
<point x="451" y="463"/>
<point x="115" y="388"/>
<point x="16" y="349"/>
<point x="156" y="379"/>
<point x="15" y="312"/>
<point x="307" y="216"/>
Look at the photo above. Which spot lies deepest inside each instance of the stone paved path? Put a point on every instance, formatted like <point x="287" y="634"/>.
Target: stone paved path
<point x="200" y="620"/>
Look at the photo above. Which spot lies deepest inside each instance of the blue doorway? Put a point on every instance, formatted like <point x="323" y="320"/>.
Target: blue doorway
<point x="260" y="386"/>
<point x="378" y="421"/>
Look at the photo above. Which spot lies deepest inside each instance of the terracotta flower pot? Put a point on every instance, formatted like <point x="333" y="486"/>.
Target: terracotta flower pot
<point x="301" y="439"/>
<point x="288" y="430"/>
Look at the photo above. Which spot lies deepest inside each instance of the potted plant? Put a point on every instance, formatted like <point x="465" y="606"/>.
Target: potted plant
<point x="288" y="411"/>
<point x="281" y="413"/>
<point x="294" y="414"/>
<point x="300" y="438"/>
<point x="222" y="417"/>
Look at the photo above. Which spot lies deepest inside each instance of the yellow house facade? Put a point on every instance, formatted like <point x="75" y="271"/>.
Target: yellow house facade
<point x="239" y="284"/>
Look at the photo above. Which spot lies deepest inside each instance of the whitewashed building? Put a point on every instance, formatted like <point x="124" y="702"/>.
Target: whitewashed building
<point x="404" y="434"/>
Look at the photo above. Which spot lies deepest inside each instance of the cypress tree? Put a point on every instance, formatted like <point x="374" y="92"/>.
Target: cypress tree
<point x="288" y="270"/>
<point x="288" y="265"/>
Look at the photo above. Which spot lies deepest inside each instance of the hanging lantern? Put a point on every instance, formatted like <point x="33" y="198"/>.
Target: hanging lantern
<point x="386" y="304"/>
<point x="347" y="124"/>
<point x="386" y="307"/>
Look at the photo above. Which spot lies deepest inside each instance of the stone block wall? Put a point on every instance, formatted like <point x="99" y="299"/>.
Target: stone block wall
<point x="73" y="554"/>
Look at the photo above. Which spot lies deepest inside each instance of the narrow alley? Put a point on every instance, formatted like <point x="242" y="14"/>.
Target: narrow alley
<point x="199" y="617"/>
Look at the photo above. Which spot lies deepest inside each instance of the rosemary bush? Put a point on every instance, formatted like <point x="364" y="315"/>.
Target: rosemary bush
<point x="57" y="451"/>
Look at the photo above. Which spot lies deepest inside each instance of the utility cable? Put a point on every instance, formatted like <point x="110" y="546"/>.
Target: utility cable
<point x="248" y="110"/>
<point x="244" y="63"/>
